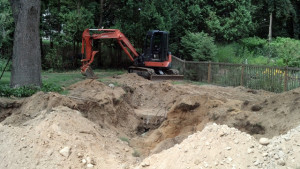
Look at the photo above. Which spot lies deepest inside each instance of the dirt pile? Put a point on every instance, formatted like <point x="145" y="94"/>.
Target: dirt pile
<point x="187" y="115"/>
<point x="186" y="109"/>
<point x="20" y="111"/>
<point x="61" y="138"/>
<point x="218" y="146"/>
<point x="49" y="130"/>
<point x="131" y="79"/>
<point x="104" y="105"/>
<point x="277" y="114"/>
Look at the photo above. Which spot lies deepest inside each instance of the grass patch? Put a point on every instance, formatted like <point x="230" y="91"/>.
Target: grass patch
<point x="5" y="78"/>
<point x="26" y="91"/>
<point x="53" y="82"/>
<point x="108" y="73"/>
<point x="62" y="79"/>
<point x="125" y="139"/>
<point x="180" y="82"/>
<point x="136" y="153"/>
<point x="198" y="83"/>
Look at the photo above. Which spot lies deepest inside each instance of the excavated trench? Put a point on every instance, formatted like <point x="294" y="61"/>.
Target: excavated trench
<point x="154" y="116"/>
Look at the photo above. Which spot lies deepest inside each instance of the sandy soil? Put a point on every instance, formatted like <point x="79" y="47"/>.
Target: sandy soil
<point x="136" y="123"/>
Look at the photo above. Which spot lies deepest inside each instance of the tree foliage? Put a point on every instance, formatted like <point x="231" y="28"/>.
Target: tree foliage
<point x="288" y="50"/>
<point x="230" y="19"/>
<point x="62" y="21"/>
<point x="6" y="28"/>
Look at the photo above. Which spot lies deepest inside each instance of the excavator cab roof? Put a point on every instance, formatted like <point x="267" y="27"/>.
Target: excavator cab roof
<point x="151" y="32"/>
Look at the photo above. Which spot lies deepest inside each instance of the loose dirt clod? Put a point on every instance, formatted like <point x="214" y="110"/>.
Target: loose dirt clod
<point x="140" y="123"/>
<point x="65" y="151"/>
<point x="264" y="141"/>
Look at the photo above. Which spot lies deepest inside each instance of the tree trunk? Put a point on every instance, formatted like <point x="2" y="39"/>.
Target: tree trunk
<point x="270" y="28"/>
<point x="101" y="14"/>
<point x="270" y="36"/>
<point x="26" y="59"/>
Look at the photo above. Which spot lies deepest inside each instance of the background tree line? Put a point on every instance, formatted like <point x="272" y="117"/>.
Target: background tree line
<point x="224" y="31"/>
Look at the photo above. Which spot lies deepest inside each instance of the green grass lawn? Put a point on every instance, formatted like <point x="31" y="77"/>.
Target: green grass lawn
<point x="5" y="78"/>
<point x="55" y="81"/>
<point x="65" y="79"/>
<point x="60" y="81"/>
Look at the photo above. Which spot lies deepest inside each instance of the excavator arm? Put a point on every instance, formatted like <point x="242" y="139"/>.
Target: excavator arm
<point x="87" y="41"/>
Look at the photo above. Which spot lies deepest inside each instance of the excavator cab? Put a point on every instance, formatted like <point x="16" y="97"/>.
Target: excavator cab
<point x="156" y="46"/>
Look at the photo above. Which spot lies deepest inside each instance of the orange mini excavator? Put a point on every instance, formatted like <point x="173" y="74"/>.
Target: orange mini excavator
<point x="154" y="63"/>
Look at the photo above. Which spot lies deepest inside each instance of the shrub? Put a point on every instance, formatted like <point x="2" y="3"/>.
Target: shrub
<point x="198" y="47"/>
<point x="253" y="43"/>
<point x="259" y="60"/>
<point x="25" y="91"/>
<point x="286" y="49"/>
<point x="136" y="154"/>
<point x="226" y="54"/>
<point x="52" y="60"/>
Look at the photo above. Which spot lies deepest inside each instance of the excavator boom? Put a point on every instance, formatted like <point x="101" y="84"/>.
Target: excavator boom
<point x="87" y="40"/>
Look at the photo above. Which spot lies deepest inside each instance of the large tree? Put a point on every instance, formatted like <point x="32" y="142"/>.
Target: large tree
<point x="26" y="60"/>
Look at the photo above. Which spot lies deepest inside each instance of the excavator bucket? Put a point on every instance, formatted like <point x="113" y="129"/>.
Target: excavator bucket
<point x="89" y="73"/>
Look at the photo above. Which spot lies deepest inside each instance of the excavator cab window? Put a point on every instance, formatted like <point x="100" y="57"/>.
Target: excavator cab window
<point x="156" y="46"/>
<point x="147" y="46"/>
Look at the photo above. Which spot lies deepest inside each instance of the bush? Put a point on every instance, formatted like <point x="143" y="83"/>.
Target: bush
<point x="52" y="60"/>
<point x="286" y="49"/>
<point x="253" y="43"/>
<point x="25" y="91"/>
<point x="198" y="47"/>
<point x="227" y="54"/>
<point x="136" y="153"/>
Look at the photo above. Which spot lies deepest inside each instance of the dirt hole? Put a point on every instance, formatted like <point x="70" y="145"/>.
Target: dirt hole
<point x="250" y="128"/>
<point x="153" y="116"/>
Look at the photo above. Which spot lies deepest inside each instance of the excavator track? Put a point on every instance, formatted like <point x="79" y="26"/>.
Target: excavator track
<point x="150" y="74"/>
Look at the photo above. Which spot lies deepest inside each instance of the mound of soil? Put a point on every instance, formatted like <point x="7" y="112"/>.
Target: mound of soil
<point x="186" y="109"/>
<point x="131" y="79"/>
<point x="218" y="146"/>
<point x="31" y="107"/>
<point x="277" y="114"/>
<point x="104" y="105"/>
<point x="61" y="138"/>
<point x="150" y="117"/>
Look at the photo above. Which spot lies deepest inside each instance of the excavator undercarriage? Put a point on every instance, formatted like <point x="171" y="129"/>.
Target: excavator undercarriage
<point x="148" y="73"/>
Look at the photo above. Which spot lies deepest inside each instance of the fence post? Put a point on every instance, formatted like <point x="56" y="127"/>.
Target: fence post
<point x="285" y="79"/>
<point x="242" y="75"/>
<point x="209" y="72"/>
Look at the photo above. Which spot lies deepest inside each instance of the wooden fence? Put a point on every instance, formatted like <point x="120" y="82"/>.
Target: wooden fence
<point x="274" y="79"/>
